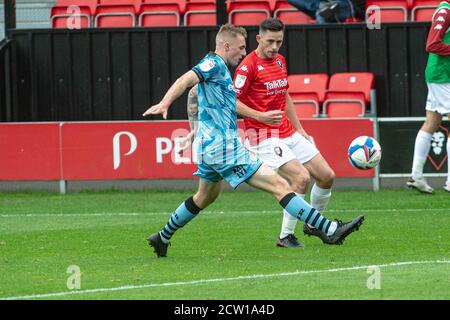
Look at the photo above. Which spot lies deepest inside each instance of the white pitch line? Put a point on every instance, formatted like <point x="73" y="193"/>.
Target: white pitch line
<point x="202" y="281"/>
<point x="117" y="214"/>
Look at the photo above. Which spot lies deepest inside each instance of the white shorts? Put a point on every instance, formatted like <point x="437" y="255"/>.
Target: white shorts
<point x="276" y="152"/>
<point x="438" y="99"/>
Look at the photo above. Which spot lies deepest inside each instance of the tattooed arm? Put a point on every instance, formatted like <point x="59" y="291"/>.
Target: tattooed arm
<point x="192" y="111"/>
<point x="192" y="108"/>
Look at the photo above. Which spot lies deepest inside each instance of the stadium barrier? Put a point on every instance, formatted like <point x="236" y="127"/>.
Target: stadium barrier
<point x="397" y="138"/>
<point x="140" y="149"/>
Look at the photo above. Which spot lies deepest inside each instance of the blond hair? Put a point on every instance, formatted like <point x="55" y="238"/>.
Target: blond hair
<point x="229" y="30"/>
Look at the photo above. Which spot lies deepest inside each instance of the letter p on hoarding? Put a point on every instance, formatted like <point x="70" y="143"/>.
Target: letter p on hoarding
<point x="116" y="146"/>
<point x="163" y="146"/>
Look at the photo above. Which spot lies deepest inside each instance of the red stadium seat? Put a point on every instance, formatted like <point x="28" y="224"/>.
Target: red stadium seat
<point x="65" y="13"/>
<point x="309" y="83"/>
<point x="348" y="94"/>
<point x="306" y="105"/>
<point x="91" y="4"/>
<point x="272" y="4"/>
<point x="290" y="15"/>
<point x="181" y="3"/>
<point x="160" y="14"/>
<point x="200" y="13"/>
<point x="307" y="91"/>
<point x="135" y="3"/>
<point x="247" y="12"/>
<point x="353" y="20"/>
<point x="117" y="13"/>
<point x="387" y="10"/>
<point x="423" y="10"/>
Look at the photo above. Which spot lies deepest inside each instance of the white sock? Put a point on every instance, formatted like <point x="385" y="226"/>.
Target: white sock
<point x="164" y="240"/>
<point x="289" y="221"/>
<point x="320" y="197"/>
<point x="448" y="160"/>
<point x="332" y="228"/>
<point x="421" y="150"/>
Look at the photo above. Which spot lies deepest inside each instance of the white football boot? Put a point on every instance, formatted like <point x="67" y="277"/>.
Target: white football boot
<point x="419" y="184"/>
<point x="447" y="187"/>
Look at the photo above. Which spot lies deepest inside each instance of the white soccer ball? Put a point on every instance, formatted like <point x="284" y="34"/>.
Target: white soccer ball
<point x="364" y="153"/>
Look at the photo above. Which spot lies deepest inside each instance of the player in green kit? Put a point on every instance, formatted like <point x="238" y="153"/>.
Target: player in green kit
<point x="437" y="76"/>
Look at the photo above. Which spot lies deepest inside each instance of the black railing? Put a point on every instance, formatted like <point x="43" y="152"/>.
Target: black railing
<point x="9" y="8"/>
<point x="5" y="81"/>
<point x="115" y="74"/>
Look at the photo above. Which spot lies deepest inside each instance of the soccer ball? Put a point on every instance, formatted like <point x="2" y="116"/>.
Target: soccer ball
<point x="364" y="153"/>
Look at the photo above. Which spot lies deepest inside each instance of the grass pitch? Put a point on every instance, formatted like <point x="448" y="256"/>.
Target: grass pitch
<point x="227" y="252"/>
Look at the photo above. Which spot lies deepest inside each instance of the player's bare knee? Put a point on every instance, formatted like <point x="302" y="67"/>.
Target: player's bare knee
<point x="305" y="178"/>
<point x="299" y="179"/>
<point x="301" y="182"/>
<point x="280" y="187"/>
<point x="327" y="179"/>
<point x="430" y="125"/>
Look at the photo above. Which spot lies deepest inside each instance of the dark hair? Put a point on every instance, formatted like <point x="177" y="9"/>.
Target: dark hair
<point x="271" y="24"/>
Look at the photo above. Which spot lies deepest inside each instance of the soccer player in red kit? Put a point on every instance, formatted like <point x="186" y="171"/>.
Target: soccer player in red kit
<point x="273" y="129"/>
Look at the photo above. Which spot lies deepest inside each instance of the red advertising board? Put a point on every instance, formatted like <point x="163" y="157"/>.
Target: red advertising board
<point x="138" y="150"/>
<point x="29" y="151"/>
<point x="332" y="138"/>
<point x="124" y="150"/>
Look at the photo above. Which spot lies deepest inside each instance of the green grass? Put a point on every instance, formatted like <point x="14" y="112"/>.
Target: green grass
<point x="42" y="234"/>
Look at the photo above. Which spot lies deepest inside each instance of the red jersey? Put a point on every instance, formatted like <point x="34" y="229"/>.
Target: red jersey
<point x="438" y="39"/>
<point x="262" y="85"/>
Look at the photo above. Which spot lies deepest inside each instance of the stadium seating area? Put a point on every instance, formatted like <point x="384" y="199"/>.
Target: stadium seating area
<point x="400" y="10"/>
<point x="163" y="13"/>
<point x="341" y="95"/>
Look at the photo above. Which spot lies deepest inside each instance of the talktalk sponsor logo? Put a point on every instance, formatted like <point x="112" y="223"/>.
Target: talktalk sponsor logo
<point x="276" y="84"/>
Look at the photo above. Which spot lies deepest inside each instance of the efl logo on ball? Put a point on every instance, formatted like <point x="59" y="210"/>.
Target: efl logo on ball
<point x="364" y="153"/>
